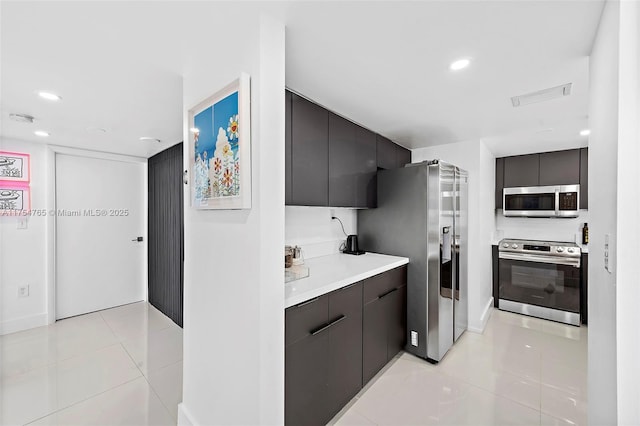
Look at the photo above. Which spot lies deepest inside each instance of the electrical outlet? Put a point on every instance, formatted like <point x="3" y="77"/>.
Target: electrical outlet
<point x="333" y="213"/>
<point x="23" y="291"/>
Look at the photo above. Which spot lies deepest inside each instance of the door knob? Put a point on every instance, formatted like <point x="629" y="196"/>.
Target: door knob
<point x="138" y="239"/>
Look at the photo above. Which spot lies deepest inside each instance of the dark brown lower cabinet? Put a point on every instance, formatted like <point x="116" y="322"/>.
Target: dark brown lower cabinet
<point x="384" y="330"/>
<point x="345" y="347"/>
<point x="374" y="338"/>
<point x="306" y="396"/>
<point x="323" y="367"/>
<point x="334" y="345"/>
<point x="397" y="323"/>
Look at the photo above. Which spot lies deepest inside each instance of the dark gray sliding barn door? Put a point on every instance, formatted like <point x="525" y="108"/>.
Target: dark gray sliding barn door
<point x="166" y="232"/>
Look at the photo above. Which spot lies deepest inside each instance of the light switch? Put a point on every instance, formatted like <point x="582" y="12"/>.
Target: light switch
<point x="23" y="222"/>
<point x="607" y="253"/>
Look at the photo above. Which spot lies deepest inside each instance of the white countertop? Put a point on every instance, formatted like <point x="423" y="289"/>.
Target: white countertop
<point x="328" y="273"/>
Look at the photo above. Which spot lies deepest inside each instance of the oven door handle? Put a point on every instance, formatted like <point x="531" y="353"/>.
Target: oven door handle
<point x="540" y="259"/>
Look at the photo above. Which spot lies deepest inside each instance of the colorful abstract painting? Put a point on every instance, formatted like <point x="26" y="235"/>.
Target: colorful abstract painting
<point x="220" y="133"/>
<point x="217" y="159"/>
<point x="14" y="167"/>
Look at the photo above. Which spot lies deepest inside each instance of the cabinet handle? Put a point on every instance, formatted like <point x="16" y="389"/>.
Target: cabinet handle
<point x="307" y="302"/>
<point x="329" y="325"/>
<point x="387" y="293"/>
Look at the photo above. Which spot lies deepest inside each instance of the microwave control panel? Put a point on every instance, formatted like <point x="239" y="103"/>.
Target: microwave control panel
<point x="568" y="201"/>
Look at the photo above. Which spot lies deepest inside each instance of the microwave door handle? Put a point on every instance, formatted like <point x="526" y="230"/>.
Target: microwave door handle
<point x="557" y="204"/>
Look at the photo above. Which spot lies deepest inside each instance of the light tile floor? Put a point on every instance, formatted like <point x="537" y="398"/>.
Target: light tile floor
<point x="520" y="371"/>
<point x="121" y="366"/>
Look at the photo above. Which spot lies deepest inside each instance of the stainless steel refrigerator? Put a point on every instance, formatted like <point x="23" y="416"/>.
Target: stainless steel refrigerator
<point x="422" y="214"/>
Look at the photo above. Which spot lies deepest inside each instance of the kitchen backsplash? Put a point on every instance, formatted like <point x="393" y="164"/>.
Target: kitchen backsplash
<point x="313" y="230"/>
<point x="546" y="229"/>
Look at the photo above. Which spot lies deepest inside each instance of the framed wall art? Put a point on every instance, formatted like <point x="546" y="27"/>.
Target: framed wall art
<point x="14" y="167"/>
<point x="220" y="148"/>
<point x="14" y="198"/>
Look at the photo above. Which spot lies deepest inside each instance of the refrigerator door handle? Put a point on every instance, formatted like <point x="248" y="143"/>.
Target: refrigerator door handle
<point x="446" y="244"/>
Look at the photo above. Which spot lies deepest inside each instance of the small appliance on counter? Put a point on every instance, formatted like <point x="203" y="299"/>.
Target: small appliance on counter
<point x="351" y="246"/>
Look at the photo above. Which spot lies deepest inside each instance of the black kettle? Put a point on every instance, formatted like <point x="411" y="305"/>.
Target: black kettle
<point x="352" y="245"/>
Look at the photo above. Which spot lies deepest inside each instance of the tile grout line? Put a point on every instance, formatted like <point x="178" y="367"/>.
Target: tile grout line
<point x="147" y="379"/>
<point x="83" y="400"/>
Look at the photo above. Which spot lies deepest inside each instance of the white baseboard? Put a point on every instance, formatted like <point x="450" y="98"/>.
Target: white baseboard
<point x="486" y="314"/>
<point x="184" y="419"/>
<point x="23" y="323"/>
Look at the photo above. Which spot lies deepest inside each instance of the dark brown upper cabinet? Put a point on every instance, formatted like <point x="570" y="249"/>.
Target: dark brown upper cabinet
<point x="560" y="168"/>
<point x="403" y="156"/>
<point x="499" y="181"/>
<point x="352" y="164"/>
<point x="521" y="170"/>
<point x="386" y="153"/>
<point x="567" y="167"/>
<point x="309" y="153"/>
<point x="391" y="155"/>
<point x="584" y="178"/>
<point x="331" y="161"/>
<point x="287" y="148"/>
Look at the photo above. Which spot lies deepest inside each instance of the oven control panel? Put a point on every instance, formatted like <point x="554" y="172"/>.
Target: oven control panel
<point x="548" y="248"/>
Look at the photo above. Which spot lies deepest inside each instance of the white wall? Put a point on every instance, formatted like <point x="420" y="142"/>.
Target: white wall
<point x="23" y="257"/>
<point x="313" y="230"/>
<point x="233" y="282"/>
<point x="603" y="184"/>
<point x="628" y="215"/>
<point x="480" y="163"/>
<point x="545" y="229"/>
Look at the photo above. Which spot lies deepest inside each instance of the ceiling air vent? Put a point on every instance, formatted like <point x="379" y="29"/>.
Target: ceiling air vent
<point x="542" y="95"/>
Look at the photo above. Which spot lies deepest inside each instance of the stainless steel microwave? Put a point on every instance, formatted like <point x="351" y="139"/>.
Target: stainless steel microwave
<point x="542" y="201"/>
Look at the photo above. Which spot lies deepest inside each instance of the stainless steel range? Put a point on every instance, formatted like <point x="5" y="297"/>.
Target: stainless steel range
<point x="541" y="279"/>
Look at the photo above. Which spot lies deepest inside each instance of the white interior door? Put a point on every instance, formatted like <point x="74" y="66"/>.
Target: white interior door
<point x="100" y="209"/>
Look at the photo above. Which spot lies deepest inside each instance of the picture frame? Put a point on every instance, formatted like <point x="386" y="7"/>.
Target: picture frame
<point x="220" y="148"/>
<point x="15" y="167"/>
<point x="14" y="198"/>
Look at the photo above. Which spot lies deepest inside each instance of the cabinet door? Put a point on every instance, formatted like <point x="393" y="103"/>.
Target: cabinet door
<point x="560" y="167"/>
<point x="306" y="365"/>
<point x="306" y="368"/>
<point x="521" y="170"/>
<point x="300" y="319"/>
<point x="386" y="157"/>
<point x="310" y="153"/>
<point x="397" y="337"/>
<point x="345" y="347"/>
<point x="403" y="156"/>
<point x="584" y="178"/>
<point x="352" y="163"/>
<point x="287" y="148"/>
<point x="499" y="181"/>
<point x="374" y="338"/>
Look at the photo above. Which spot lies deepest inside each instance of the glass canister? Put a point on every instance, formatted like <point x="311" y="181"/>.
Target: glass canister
<point x="288" y="256"/>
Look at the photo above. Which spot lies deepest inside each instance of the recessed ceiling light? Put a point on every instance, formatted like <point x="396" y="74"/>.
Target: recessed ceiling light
<point x="585" y="132"/>
<point x="22" y="118"/>
<point x="459" y="64"/>
<point x="49" y="96"/>
<point x="41" y="133"/>
<point x="150" y="139"/>
<point x="194" y="130"/>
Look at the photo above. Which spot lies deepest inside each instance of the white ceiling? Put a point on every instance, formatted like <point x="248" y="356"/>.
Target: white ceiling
<point x="118" y="66"/>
